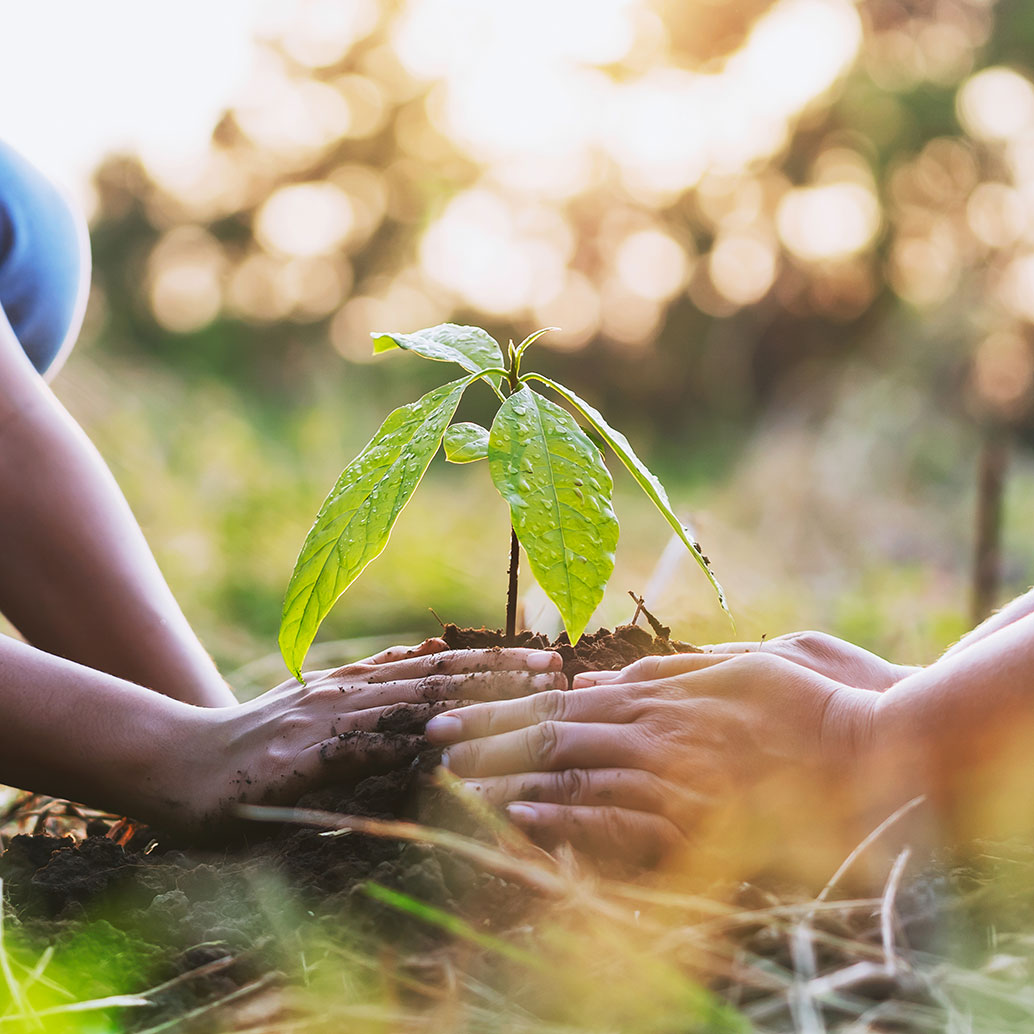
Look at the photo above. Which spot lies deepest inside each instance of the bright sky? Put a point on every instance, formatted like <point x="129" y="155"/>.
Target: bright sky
<point x="79" y="78"/>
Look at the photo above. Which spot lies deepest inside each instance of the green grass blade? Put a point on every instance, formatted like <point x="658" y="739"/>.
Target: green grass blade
<point x="465" y="443"/>
<point x="559" y="492"/>
<point x="355" y="521"/>
<point x="450" y="923"/>
<point x="646" y="480"/>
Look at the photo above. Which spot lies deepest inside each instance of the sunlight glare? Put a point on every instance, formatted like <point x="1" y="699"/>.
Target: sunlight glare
<point x="996" y="104"/>
<point x="317" y="33"/>
<point x="743" y="266"/>
<point x="575" y="309"/>
<point x="995" y="213"/>
<point x="295" y="117"/>
<point x="185" y="271"/>
<point x="305" y="219"/>
<point x="652" y="265"/>
<point x="828" y="221"/>
<point x="796" y="52"/>
<point x="493" y="256"/>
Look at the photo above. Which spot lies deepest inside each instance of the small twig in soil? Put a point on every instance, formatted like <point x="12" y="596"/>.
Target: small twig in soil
<point x="436" y="617"/>
<point x="661" y="631"/>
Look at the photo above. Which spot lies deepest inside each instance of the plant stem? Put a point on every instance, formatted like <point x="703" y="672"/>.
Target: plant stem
<point x="511" y="592"/>
<point x="515" y="547"/>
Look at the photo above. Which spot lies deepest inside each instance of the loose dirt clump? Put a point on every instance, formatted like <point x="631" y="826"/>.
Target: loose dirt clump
<point x="602" y="650"/>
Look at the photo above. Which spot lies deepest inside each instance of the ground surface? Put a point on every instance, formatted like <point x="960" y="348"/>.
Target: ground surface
<point x="298" y="930"/>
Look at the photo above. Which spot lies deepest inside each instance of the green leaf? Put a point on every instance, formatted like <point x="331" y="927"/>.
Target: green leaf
<point x="466" y="443"/>
<point x="353" y="525"/>
<point x="558" y="490"/>
<point x="473" y="348"/>
<point x="518" y="353"/>
<point x="647" y="481"/>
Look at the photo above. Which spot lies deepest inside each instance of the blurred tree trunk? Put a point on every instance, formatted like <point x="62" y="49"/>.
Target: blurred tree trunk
<point x="987" y="555"/>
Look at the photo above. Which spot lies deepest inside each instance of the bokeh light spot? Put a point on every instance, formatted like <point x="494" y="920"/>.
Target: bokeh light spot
<point x="185" y="272"/>
<point x="996" y="104"/>
<point x="828" y="221"/>
<point x="652" y="264"/>
<point x="305" y="219"/>
<point x="743" y="266"/>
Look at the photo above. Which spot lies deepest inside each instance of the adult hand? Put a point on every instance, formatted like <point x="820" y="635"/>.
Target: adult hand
<point x="337" y="727"/>
<point x="835" y="658"/>
<point x="636" y="768"/>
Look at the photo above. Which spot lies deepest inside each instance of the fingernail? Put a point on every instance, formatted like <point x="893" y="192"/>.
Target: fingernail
<point x="542" y="660"/>
<point x="445" y="759"/>
<point x="591" y="678"/>
<point x="520" y="812"/>
<point x="443" y="728"/>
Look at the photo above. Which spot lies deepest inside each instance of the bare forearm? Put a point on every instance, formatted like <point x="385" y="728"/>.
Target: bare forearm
<point x="962" y="731"/>
<point x="76" y="575"/>
<point x="81" y="734"/>
<point x="1018" y="608"/>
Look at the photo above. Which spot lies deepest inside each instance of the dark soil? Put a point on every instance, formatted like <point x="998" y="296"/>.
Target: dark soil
<point x="602" y="650"/>
<point x="232" y="917"/>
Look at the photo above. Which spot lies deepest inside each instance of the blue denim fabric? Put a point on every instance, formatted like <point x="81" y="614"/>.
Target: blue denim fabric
<point x="41" y="259"/>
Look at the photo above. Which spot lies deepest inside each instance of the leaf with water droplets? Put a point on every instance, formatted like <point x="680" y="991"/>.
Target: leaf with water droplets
<point x="356" y="519"/>
<point x="540" y="462"/>
<point x="473" y="348"/>
<point x="465" y="443"/>
<point x="647" y="481"/>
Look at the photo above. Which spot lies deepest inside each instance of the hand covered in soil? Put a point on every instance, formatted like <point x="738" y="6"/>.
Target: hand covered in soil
<point x="835" y="658"/>
<point x="338" y="727"/>
<point x="638" y="762"/>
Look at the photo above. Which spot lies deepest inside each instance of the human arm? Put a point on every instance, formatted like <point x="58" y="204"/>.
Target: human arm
<point x="76" y="577"/>
<point x="87" y="736"/>
<point x="850" y="664"/>
<point x="1010" y="613"/>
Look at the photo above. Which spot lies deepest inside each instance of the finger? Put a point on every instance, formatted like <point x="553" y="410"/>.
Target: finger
<point x="367" y="752"/>
<point x="736" y="647"/>
<point x="594" y="678"/>
<point x="489" y="685"/>
<point x="607" y="704"/>
<point x="394" y="718"/>
<point x="633" y="836"/>
<point x="401" y="653"/>
<point x="356" y="754"/>
<point x="547" y="747"/>
<point x="649" y="668"/>
<point x="596" y="787"/>
<point x="455" y="662"/>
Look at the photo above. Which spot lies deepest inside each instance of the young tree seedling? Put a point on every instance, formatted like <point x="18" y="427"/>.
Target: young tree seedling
<point x="543" y="464"/>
